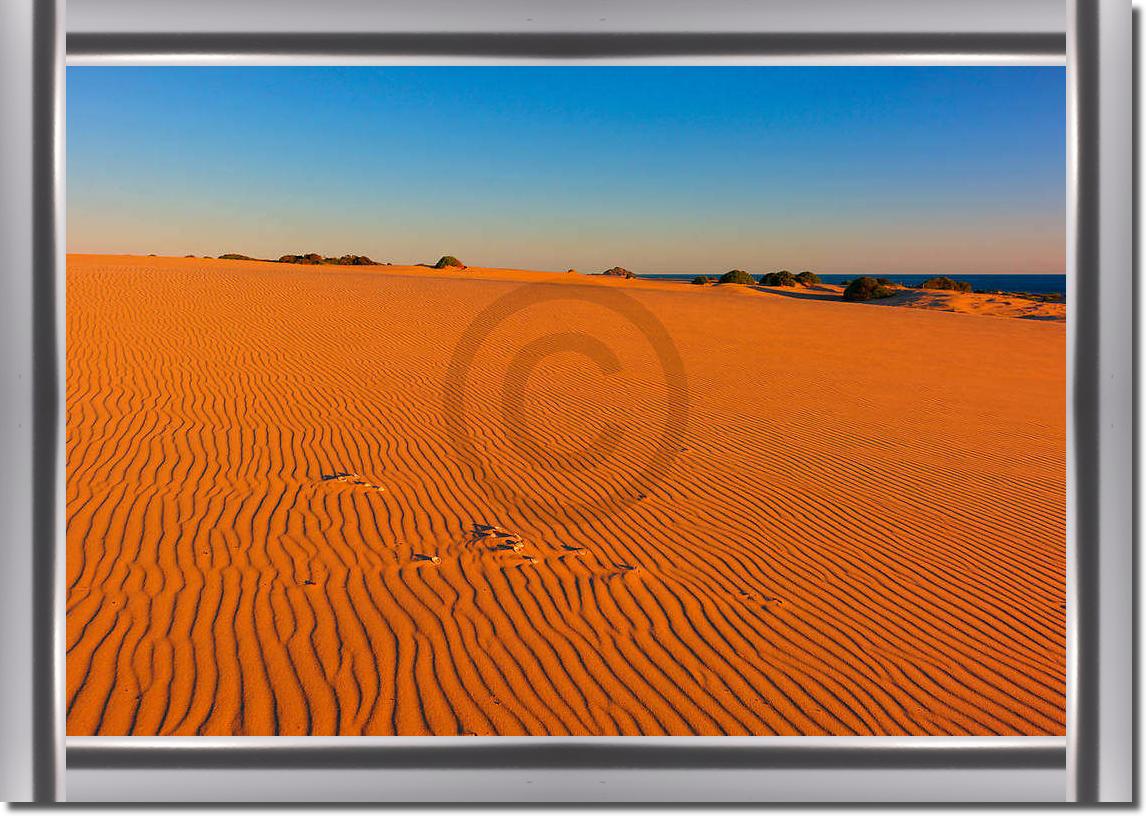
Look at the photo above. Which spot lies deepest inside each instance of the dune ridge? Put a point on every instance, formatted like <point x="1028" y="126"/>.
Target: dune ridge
<point x="270" y="530"/>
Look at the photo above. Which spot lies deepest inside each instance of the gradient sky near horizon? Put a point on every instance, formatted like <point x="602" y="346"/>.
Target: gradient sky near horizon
<point x="897" y="170"/>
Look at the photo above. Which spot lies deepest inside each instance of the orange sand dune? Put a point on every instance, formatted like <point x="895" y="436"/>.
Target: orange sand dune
<point x="990" y="305"/>
<point x="325" y="500"/>
<point x="981" y="304"/>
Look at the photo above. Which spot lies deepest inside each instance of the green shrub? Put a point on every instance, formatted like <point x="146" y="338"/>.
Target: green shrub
<point x="943" y="282"/>
<point x="618" y="272"/>
<point x="865" y="288"/>
<point x="234" y="256"/>
<point x="447" y="261"/>
<point x="737" y="276"/>
<point x="808" y="278"/>
<point x="701" y="280"/>
<point x="781" y="278"/>
<point x="315" y="259"/>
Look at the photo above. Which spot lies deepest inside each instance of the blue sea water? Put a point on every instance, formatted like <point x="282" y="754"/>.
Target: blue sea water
<point x="1034" y="284"/>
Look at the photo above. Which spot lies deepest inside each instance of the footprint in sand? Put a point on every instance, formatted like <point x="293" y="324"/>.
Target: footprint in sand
<point x="763" y="600"/>
<point x="503" y="539"/>
<point x="618" y="571"/>
<point x="351" y="479"/>
<point x="573" y="555"/>
<point x="479" y="532"/>
<point x="525" y="561"/>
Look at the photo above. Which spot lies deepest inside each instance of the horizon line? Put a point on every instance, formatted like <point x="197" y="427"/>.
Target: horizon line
<point x="189" y="256"/>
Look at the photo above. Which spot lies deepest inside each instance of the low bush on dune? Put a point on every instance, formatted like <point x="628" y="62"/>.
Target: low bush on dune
<point x="353" y="260"/>
<point x="315" y="259"/>
<point x="737" y="276"/>
<point x="309" y="258"/>
<point x="866" y="288"/>
<point x="808" y="278"/>
<point x="449" y="261"/>
<point x="701" y="280"/>
<point x="781" y="278"/>
<point x="618" y="272"/>
<point x="885" y="282"/>
<point x="235" y="256"/>
<point x="945" y="283"/>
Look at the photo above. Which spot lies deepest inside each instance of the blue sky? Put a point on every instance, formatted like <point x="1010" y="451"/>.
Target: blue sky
<point x="840" y="170"/>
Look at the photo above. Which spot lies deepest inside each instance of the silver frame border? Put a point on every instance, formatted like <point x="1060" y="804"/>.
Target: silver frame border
<point x="1099" y="413"/>
<point x="555" y="46"/>
<point x="1101" y="427"/>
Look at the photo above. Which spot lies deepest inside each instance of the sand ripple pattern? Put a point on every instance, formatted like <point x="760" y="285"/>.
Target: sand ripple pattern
<point x="269" y="531"/>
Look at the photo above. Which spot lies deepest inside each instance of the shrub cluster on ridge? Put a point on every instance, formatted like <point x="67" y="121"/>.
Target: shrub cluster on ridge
<point x="866" y="288"/>
<point x="946" y="283"/>
<point x="781" y="278"/>
<point x="316" y="259"/>
<point x="737" y="276"/>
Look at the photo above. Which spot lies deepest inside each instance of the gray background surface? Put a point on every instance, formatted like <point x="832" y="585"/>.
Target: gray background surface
<point x="167" y="16"/>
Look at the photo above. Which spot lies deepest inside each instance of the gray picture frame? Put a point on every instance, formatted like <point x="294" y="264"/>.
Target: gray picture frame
<point x="1093" y="763"/>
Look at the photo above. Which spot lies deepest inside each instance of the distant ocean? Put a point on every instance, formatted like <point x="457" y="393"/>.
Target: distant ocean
<point x="1034" y="284"/>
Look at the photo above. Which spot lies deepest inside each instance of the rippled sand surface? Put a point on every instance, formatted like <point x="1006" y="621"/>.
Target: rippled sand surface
<point x="394" y="500"/>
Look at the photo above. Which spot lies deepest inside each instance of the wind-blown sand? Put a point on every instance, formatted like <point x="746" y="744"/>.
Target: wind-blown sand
<point x="272" y="528"/>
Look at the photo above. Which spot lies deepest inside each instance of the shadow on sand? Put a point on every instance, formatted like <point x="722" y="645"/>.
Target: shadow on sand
<point x="799" y="294"/>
